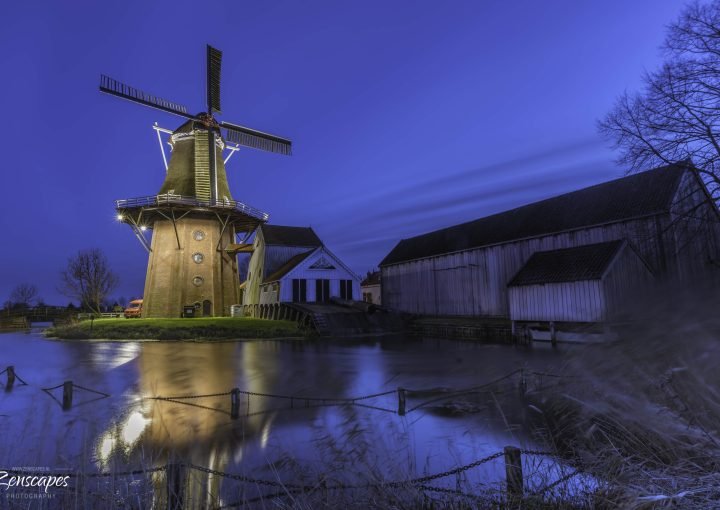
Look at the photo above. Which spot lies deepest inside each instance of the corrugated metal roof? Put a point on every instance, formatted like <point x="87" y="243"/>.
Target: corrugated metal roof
<point x="636" y="195"/>
<point x="587" y="262"/>
<point x="290" y="236"/>
<point x="288" y="266"/>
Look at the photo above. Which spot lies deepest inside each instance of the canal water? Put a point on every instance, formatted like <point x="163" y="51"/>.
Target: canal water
<point x="278" y="439"/>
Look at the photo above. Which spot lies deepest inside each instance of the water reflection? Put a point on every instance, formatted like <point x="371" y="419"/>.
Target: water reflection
<point x="270" y="440"/>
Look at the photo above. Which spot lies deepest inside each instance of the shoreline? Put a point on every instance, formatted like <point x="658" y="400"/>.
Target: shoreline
<point x="185" y="340"/>
<point x="172" y="330"/>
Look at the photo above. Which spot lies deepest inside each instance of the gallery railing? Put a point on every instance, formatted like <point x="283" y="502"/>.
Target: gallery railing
<point x="170" y="199"/>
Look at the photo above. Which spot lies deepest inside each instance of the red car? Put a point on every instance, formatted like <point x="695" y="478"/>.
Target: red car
<point x="134" y="309"/>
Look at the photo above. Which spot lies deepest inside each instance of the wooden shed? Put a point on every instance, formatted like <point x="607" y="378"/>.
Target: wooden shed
<point x="587" y="283"/>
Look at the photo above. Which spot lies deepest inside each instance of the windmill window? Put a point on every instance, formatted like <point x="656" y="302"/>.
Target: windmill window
<point x="198" y="235"/>
<point x="198" y="280"/>
<point x="198" y="257"/>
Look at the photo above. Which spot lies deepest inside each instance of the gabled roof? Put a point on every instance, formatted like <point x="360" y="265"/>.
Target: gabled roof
<point x="290" y="236"/>
<point x="300" y="258"/>
<point x="636" y="195"/>
<point x="288" y="266"/>
<point x="587" y="262"/>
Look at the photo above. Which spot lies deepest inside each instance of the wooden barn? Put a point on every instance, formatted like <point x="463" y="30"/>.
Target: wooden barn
<point x="292" y="265"/>
<point x="515" y="263"/>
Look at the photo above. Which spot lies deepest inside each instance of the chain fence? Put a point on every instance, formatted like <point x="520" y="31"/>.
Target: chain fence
<point x="306" y="401"/>
<point x="420" y="483"/>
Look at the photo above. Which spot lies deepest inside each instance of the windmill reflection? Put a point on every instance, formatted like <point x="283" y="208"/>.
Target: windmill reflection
<point x="195" y="431"/>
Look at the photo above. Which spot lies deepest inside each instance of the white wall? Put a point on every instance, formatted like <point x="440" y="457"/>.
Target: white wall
<point x="580" y="301"/>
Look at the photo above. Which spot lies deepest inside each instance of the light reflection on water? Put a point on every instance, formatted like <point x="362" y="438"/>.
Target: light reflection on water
<point x="273" y="441"/>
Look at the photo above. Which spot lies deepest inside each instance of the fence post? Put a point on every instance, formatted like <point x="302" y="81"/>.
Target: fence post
<point x="175" y="481"/>
<point x="10" y="378"/>
<point x="235" y="403"/>
<point x="401" y="401"/>
<point x="523" y="382"/>
<point x="513" y="472"/>
<point x="67" y="395"/>
<point x="553" y="334"/>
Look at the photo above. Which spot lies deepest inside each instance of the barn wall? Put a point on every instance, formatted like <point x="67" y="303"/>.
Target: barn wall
<point x="627" y="277"/>
<point x="474" y="282"/>
<point x="580" y="301"/>
<point x="695" y="227"/>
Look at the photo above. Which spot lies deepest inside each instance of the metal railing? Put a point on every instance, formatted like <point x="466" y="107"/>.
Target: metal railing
<point x="169" y="199"/>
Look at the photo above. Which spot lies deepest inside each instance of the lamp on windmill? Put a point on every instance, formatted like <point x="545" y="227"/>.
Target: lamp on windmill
<point x="194" y="218"/>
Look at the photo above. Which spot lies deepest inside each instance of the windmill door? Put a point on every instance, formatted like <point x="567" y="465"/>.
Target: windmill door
<point x="207" y="308"/>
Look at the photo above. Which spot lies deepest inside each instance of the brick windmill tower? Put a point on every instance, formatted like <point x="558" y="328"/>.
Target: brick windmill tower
<point x="194" y="219"/>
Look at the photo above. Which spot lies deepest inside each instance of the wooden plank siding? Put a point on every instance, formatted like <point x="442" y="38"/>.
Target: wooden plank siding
<point x="627" y="277"/>
<point x="438" y="285"/>
<point x="581" y="301"/>
<point x="694" y="226"/>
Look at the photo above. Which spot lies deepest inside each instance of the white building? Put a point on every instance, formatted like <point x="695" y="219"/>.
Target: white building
<point x="371" y="288"/>
<point x="292" y="265"/>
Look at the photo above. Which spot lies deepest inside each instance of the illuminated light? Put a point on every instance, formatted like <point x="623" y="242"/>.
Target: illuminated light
<point x="106" y="447"/>
<point x="120" y="217"/>
<point x="133" y="428"/>
<point x="143" y="228"/>
<point x="265" y="435"/>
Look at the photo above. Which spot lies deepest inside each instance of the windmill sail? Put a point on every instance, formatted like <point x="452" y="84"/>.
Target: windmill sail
<point x="117" y="88"/>
<point x="257" y="139"/>
<point x="214" y="62"/>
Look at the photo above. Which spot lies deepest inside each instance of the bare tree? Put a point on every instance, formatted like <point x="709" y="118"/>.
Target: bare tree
<point x="88" y="278"/>
<point x="24" y="294"/>
<point x="676" y="117"/>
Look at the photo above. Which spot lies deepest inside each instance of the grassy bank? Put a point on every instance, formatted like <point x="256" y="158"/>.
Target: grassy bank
<point x="206" y="328"/>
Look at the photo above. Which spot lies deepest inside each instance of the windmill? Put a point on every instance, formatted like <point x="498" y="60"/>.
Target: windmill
<point x="193" y="218"/>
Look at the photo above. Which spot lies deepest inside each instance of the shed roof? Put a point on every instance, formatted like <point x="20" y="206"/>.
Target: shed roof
<point x="290" y="236"/>
<point x="288" y="266"/>
<point x="636" y="195"/>
<point x="586" y="262"/>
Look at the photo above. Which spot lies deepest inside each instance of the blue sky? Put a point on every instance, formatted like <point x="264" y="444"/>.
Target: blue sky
<point x="406" y="116"/>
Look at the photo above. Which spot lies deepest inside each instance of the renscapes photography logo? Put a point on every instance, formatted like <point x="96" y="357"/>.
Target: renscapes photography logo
<point x="30" y="483"/>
